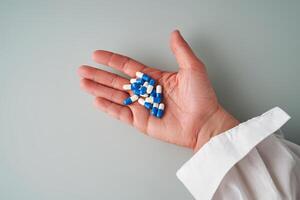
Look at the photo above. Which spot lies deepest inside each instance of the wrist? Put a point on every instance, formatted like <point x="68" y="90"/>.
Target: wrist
<point x="219" y="122"/>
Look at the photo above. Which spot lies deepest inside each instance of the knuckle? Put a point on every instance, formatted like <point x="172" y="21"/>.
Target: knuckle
<point x="125" y="65"/>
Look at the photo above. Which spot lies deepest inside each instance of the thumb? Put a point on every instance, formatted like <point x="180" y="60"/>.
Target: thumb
<point x="183" y="52"/>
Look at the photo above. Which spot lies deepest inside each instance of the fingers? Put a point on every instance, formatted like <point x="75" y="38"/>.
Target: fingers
<point x="120" y="112"/>
<point x="183" y="52"/>
<point x="99" y="90"/>
<point x="119" y="62"/>
<point x="102" y="77"/>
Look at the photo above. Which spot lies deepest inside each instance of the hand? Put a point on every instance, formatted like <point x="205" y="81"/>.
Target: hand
<point x="192" y="114"/>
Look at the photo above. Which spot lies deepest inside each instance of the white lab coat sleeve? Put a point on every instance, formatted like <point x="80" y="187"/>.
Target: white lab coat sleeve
<point x="246" y="162"/>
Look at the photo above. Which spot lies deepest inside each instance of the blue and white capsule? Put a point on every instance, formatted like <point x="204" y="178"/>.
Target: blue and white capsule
<point x="159" y="91"/>
<point x="132" y="86"/>
<point x="150" y="86"/>
<point x="157" y="100"/>
<point x="158" y="95"/>
<point x="136" y="85"/>
<point x="153" y="93"/>
<point x="150" y="99"/>
<point x="133" y="80"/>
<point x="144" y="103"/>
<point x="144" y="95"/>
<point x="127" y="87"/>
<point x="143" y="76"/>
<point x="160" y="111"/>
<point x="154" y="109"/>
<point x="130" y="100"/>
<point x="137" y="80"/>
<point x="136" y="92"/>
<point x="143" y="89"/>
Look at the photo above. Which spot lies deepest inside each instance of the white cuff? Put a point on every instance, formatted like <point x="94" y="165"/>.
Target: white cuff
<point x="203" y="173"/>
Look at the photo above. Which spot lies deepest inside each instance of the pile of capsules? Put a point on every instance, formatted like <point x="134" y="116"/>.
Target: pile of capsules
<point x="144" y="92"/>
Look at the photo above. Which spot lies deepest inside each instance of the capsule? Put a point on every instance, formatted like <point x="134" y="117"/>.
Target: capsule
<point x="154" y="109"/>
<point x="150" y="86"/>
<point x="132" y="86"/>
<point x="157" y="99"/>
<point x="136" y="92"/>
<point x="150" y="99"/>
<point x="140" y="81"/>
<point x="153" y="93"/>
<point x="141" y="101"/>
<point x="136" y="85"/>
<point x="130" y="100"/>
<point x="159" y="91"/>
<point x="144" y="103"/>
<point x="133" y="80"/>
<point x="160" y="111"/>
<point x="144" y="95"/>
<point x="143" y="76"/>
<point x="137" y="80"/>
<point x="143" y="89"/>
<point x="158" y="94"/>
<point x="127" y="87"/>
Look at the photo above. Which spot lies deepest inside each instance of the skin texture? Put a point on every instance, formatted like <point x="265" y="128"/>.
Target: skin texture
<point x="192" y="112"/>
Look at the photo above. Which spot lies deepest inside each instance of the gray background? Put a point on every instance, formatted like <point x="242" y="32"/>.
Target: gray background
<point x="55" y="145"/>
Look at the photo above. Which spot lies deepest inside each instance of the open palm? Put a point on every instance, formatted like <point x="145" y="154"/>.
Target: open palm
<point x="191" y="103"/>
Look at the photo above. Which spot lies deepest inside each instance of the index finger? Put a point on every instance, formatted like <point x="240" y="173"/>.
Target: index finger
<point x="119" y="62"/>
